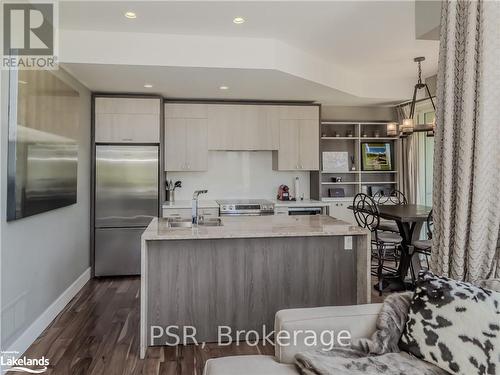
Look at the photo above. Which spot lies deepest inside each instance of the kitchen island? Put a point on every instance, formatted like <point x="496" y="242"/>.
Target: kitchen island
<point x="241" y="273"/>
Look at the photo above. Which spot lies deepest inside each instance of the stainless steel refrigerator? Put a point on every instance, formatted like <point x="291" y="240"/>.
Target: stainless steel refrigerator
<point x="126" y="199"/>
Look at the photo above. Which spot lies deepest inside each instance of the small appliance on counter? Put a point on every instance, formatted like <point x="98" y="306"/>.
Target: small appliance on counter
<point x="284" y="193"/>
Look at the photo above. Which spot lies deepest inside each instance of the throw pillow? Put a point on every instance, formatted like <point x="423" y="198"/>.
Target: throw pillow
<point x="454" y="325"/>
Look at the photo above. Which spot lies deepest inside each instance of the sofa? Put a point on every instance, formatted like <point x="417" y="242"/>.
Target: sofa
<point x="359" y="320"/>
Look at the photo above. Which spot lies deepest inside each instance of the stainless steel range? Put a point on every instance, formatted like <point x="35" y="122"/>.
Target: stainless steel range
<point x="248" y="207"/>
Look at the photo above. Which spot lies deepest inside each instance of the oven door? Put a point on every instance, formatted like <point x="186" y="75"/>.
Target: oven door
<point x="305" y="210"/>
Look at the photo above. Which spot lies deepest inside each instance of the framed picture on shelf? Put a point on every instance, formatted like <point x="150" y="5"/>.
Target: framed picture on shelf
<point x="376" y="156"/>
<point x="335" y="161"/>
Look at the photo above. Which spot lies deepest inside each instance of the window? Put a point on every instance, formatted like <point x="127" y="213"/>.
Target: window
<point x="425" y="115"/>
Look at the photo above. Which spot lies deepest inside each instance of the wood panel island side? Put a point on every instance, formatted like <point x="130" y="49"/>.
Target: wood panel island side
<point x="240" y="274"/>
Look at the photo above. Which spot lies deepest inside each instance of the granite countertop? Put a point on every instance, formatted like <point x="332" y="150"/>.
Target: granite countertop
<point x="202" y="203"/>
<point x="256" y="227"/>
<point x="299" y="203"/>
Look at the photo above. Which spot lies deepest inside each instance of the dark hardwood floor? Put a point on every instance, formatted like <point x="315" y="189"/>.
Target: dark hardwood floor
<point x="98" y="333"/>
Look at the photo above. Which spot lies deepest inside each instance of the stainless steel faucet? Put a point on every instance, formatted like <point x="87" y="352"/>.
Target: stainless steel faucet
<point x="194" y="207"/>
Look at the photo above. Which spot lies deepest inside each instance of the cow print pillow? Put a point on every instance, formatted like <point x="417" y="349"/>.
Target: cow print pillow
<point x="454" y="325"/>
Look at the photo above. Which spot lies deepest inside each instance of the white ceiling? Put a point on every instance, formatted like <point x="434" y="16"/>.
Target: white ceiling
<point x="204" y="83"/>
<point x="372" y="40"/>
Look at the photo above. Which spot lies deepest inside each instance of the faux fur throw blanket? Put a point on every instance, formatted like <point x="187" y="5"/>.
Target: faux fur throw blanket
<point x="378" y="355"/>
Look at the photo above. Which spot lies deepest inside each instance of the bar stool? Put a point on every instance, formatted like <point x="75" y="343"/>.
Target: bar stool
<point x="424" y="247"/>
<point x="385" y="245"/>
<point x="395" y="197"/>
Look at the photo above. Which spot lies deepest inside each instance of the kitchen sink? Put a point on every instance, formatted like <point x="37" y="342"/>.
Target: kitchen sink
<point x="186" y="223"/>
<point x="180" y="224"/>
<point x="213" y="222"/>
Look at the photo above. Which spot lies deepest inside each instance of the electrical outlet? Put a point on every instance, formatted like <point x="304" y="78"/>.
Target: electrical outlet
<point x="348" y="242"/>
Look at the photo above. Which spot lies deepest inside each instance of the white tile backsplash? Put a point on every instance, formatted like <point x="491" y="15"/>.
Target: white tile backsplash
<point x="238" y="174"/>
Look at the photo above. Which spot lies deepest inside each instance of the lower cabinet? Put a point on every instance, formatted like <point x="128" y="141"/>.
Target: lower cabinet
<point x="117" y="251"/>
<point x="339" y="210"/>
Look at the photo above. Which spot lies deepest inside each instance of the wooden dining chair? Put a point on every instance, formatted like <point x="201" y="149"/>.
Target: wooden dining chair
<point x="385" y="245"/>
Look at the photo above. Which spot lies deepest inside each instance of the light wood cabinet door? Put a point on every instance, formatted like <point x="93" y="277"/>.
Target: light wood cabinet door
<point x="308" y="145"/>
<point x="269" y="129"/>
<point x="223" y="119"/>
<point x="175" y="144"/>
<point x="298" y="138"/>
<point x="127" y="120"/>
<point x="299" y="112"/>
<point x="243" y="127"/>
<point x="340" y="211"/>
<point x="196" y="149"/>
<point x="288" y="154"/>
<point x="186" y="144"/>
<point x="185" y="110"/>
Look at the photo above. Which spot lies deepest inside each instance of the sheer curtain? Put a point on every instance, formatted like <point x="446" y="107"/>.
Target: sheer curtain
<point x="409" y="160"/>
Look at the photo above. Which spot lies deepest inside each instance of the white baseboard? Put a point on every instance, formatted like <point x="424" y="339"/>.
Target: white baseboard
<point x="29" y="336"/>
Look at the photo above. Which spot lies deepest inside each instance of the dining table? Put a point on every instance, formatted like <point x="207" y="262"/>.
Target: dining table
<point x="409" y="219"/>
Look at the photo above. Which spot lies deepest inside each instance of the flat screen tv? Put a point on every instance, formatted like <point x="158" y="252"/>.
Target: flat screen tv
<point x="376" y="156"/>
<point x="43" y="148"/>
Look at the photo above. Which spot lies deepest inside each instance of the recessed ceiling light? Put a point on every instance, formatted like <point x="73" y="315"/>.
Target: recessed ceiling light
<point x="148" y="85"/>
<point x="224" y="87"/>
<point x="238" y="20"/>
<point x="130" y="15"/>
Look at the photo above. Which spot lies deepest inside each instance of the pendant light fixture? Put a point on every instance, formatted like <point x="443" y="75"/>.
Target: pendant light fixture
<point x="408" y="125"/>
<point x="392" y="129"/>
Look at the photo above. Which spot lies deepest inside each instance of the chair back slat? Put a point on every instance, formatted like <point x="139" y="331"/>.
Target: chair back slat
<point x="394" y="197"/>
<point x="366" y="212"/>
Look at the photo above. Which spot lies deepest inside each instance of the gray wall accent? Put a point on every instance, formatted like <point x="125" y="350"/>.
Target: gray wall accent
<point x="427" y="19"/>
<point x="343" y="113"/>
<point x="42" y="255"/>
<point x="432" y="83"/>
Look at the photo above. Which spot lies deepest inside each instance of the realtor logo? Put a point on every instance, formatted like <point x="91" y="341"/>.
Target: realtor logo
<point x="28" y="29"/>
<point x="29" y="35"/>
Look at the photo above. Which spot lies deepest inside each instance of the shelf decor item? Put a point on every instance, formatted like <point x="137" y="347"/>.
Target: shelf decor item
<point x="335" y="161"/>
<point x="336" y="193"/>
<point x="353" y="165"/>
<point x="376" y="156"/>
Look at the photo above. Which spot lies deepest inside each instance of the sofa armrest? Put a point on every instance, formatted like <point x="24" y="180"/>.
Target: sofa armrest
<point x="358" y="320"/>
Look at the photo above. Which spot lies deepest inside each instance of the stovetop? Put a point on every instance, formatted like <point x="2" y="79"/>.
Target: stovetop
<point x="245" y="207"/>
<point x="242" y="201"/>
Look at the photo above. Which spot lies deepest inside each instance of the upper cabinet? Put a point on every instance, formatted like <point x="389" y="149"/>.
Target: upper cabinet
<point x="127" y="120"/>
<point x="243" y="127"/>
<point x="298" y="139"/>
<point x="191" y="129"/>
<point x="186" y="146"/>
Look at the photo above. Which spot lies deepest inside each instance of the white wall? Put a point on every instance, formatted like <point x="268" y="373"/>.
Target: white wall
<point x="238" y="174"/>
<point x="42" y="255"/>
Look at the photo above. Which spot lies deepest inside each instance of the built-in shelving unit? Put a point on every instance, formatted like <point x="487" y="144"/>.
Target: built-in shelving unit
<point x="348" y="137"/>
